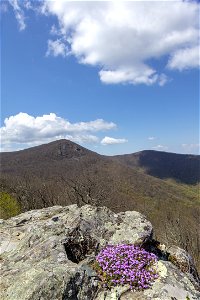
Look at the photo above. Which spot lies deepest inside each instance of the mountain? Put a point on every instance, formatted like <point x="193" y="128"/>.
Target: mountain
<point x="183" y="168"/>
<point x="163" y="186"/>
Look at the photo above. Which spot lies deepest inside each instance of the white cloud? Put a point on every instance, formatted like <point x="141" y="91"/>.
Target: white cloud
<point x="160" y="148"/>
<point x="28" y="130"/>
<point x="144" y="75"/>
<point x="19" y="14"/>
<point x="185" y="59"/>
<point x="111" y="141"/>
<point x="117" y="38"/>
<point x="57" y="48"/>
<point x="151" y="138"/>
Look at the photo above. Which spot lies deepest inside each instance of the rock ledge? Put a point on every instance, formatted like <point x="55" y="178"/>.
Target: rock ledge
<point x="45" y="254"/>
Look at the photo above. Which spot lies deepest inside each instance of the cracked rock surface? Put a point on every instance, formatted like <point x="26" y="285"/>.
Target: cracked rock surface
<point x="45" y="255"/>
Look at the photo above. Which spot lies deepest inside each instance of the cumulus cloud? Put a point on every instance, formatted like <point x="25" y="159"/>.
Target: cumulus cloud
<point x="29" y="130"/>
<point x="185" y="59"/>
<point x="142" y="75"/>
<point x="160" y="148"/>
<point x="117" y="38"/>
<point x="112" y="141"/>
<point x="19" y="13"/>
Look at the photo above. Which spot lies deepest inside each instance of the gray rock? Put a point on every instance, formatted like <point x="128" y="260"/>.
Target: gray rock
<point x="42" y="251"/>
<point x="181" y="258"/>
<point x="46" y="254"/>
<point x="171" y="285"/>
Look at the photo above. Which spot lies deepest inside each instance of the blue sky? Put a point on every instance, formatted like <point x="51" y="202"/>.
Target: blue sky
<point x="100" y="94"/>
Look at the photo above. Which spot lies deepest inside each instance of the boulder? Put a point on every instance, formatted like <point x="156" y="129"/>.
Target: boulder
<point x="46" y="254"/>
<point x="181" y="258"/>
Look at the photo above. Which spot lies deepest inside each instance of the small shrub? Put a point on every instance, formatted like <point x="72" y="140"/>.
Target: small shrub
<point x="9" y="207"/>
<point x="126" y="264"/>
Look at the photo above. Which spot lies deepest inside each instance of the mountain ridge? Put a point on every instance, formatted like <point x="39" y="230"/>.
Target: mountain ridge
<point x="158" y="164"/>
<point x="76" y="144"/>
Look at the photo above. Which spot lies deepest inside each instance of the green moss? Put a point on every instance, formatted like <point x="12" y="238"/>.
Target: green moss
<point x="9" y="207"/>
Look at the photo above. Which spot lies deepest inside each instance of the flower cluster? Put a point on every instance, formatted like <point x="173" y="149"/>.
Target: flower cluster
<point x="126" y="264"/>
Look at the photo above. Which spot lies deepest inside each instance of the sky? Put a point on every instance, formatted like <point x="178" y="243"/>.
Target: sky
<point x="115" y="77"/>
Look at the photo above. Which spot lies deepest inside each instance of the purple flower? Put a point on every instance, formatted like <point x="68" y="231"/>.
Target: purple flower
<point x="126" y="264"/>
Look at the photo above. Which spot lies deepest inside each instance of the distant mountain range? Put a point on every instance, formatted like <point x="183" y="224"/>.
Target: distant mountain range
<point x="164" y="186"/>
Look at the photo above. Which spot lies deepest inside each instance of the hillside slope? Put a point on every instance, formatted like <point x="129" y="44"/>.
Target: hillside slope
<point x="63" y="173"/>
<point x="64" y="163"/>
<point x="183" y="168"/>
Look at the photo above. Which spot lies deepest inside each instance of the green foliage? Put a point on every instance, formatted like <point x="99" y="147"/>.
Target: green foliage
<point x="9" y="207"/>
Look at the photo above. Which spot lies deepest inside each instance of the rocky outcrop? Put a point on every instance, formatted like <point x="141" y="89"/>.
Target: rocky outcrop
<point x="46" y="254"/>
<point x="180" y="258"/>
